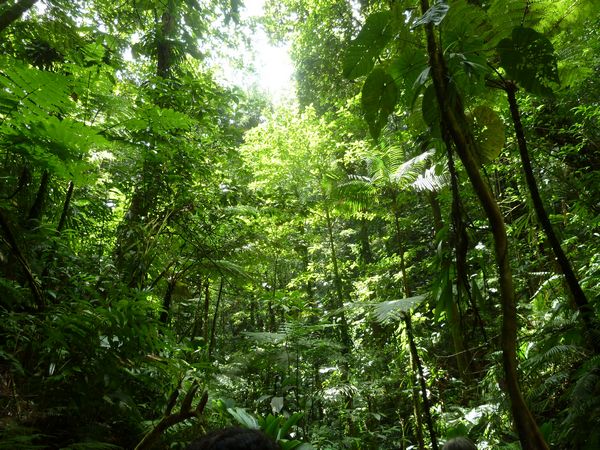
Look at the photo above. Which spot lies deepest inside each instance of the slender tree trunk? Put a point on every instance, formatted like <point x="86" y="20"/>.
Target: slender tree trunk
<point x="400" y="245"/>
<point x="460" y="239"/>
<point x="454" y="318"/>
<point x="65" y="210"/>
<point x="436" y="210"/>
<point x="198" y="314"/>
<point x="337" y="281"/>
<point x="213" y="328"/>
<point x="37" y="208"/>
<point x="416" y="397"/>
<point x="59" y="228"/>
<point x="344" y="328"/>
<point x="453" y="117"/>
<point x="166" y="306"/>
<point x="414" y="354"/>
<point x="365" y="246"/>
<point x="34" y="287"/>
<point x="14" y="13"/>
<point x="205" y="312"/>
<point x="581" y="302"/>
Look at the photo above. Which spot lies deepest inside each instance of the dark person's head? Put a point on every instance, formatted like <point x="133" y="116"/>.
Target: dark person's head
<point x="459" y="443"/>
<point x="235" y="438"/>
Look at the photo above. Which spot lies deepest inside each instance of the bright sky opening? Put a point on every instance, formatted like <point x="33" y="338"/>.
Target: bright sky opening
<point x="273" y="63"/>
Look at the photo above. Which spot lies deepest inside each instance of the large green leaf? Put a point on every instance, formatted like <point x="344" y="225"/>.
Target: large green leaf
<point x="410" y="70"/>
<point x="488" y="129"/>
<point x="372" y="39"/>
<point x="529" y="59"/>
<point x="430" y="108"/>
<point x="434" y="15"/>
<point x="379" y="97"/>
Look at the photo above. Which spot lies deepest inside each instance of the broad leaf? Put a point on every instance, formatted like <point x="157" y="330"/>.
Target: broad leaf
<point x="529" y="59"/>
<point x="379" y="97"/>
<point x="434" y="15"/>
<point x="430" y="108"/>
<point x="410" y="70"/>
<point x="364" y="50"/>
<point x="488" y="129"/>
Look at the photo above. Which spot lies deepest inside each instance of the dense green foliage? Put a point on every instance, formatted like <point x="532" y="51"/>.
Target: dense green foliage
<point x="178" y="255"/>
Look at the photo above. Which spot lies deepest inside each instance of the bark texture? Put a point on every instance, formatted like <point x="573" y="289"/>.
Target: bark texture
<point x="454" y="119"/>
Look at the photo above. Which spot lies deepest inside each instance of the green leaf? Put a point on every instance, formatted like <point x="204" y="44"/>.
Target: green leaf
<point x="379" y="97"/>
<point x="371" y="40"/>
<point x="243" y="418"/>
<point x="434" y="15"/>
<point x="289" y="423"/>
<point x="529" y="59"/>
<point x="410" y="71"/>
<point x="430" y="108"/>
<point x="488" y="129"/>
<point x="271" y="426"/>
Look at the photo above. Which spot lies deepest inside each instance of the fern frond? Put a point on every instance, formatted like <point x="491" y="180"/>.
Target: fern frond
<point x="430" y="181"/>
<point x="410" y="170"/>
<point x="391" y="310"/>
<point x="265" y="337"/>
<point x="554" y="355"/>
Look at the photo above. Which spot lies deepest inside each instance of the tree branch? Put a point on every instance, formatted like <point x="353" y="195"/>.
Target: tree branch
<point x="14" y="13"/>
<point x="186" y="412"/>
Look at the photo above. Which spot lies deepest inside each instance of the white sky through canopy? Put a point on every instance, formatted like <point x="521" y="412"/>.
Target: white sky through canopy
<point x="273" y="64"/>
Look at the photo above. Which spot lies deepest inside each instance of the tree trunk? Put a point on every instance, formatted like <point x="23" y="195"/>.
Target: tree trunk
<point x="166" y="306"/>
<point x="414" y="355"/>
<point x="366" y="254"/>
<point x="34" y="287"/>
<point x="164" y="49"/>
<point x="135" y="231"/>
<point x="581" y="302"/>
<point x="460" y="239"/>
<point x="337" y="281"/>
<point x="416" y="398"/>
<point x="206" y="312"/>
<point x="65" y="210"/>
<point x="14" y="13"/>
<point x="344" y="328"/>
<point x="405" y="286"/>
<point x="453" y="117"/>
<point x="37" y="208"/>
<point x="436" y="210"/>
<point x="213" y="328"/>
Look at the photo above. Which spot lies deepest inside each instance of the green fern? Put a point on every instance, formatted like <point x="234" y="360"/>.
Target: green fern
<point x="391" y="311"/>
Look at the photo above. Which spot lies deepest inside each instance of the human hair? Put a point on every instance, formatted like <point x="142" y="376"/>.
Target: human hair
<point x="459" y="443"/>
<point x="235" y="438"/>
